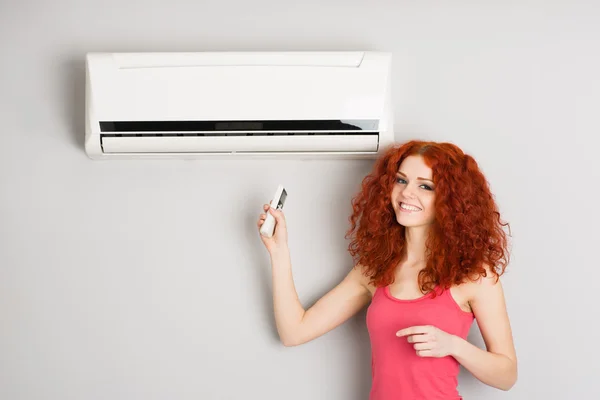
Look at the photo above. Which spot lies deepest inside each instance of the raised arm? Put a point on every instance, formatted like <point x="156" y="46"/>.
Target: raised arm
<point x="296" y="325"/>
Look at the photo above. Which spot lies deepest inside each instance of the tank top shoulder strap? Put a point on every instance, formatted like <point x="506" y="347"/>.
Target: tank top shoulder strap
<point x="447" y="296"/>
<point x="378" y="291"/>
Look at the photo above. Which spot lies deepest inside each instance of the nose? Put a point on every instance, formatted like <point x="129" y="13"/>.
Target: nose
<point x="408" y="192"/>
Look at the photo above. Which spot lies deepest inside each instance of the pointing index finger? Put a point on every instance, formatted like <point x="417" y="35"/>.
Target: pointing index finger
<point x="413" y="330"/>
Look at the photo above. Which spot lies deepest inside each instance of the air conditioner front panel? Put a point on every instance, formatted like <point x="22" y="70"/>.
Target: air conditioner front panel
<point x="214" y="92"/>
<point x="115" y="144"/>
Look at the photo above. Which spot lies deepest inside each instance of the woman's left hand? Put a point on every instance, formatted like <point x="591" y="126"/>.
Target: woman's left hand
<point x="429" y="341"/>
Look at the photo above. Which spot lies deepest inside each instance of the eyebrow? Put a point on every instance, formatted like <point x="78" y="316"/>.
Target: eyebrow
<point x="422" y="179"/>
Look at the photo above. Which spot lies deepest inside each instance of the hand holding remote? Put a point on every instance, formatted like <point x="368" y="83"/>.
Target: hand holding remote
<point x="271" y="223"/>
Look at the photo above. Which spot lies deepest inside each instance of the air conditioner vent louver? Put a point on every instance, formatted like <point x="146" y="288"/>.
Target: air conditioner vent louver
<point x="257" y="142"/>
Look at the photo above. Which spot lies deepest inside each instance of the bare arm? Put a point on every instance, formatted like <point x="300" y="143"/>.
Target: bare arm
<point x="497" y="366"/>
<point x="296" y="325"/>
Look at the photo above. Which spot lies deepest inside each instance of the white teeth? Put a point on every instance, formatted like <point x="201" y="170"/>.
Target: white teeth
<point x="409" y="208"/>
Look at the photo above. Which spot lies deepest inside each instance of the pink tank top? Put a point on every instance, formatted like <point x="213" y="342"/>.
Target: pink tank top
<point x="397" y="372"/>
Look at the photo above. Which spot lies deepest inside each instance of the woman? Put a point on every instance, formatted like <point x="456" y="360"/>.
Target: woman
<point x="429" y="248"/>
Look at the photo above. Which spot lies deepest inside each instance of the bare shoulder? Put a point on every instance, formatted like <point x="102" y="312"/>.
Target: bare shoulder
<point x="358" y="274"/>
<point x="484" y="285"/>
<point x="467" y="293"/>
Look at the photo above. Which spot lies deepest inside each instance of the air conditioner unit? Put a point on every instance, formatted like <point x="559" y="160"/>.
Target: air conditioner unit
<point x="238" y="104"/>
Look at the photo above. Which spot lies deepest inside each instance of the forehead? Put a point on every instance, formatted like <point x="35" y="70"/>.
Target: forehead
<point x="414" y="166"/>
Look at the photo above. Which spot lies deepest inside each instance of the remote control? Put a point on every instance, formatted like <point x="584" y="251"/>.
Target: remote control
<point x="268" y="227"/>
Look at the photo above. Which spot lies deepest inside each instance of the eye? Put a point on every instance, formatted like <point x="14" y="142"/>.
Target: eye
<point x="423" y="186"/>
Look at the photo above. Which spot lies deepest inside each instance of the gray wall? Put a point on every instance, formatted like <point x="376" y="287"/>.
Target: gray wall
<point x="147" y="280"/>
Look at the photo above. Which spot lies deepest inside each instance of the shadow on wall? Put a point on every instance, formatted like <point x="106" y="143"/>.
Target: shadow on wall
<point x="362" y="355"/>
<point x="74" y="84"/>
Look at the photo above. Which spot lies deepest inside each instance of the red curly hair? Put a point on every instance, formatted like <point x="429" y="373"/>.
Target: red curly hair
<point x="465" y="241"/>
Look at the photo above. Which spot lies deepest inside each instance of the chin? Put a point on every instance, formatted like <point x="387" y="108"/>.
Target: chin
<point x="410" y="225"/>
<point x="408" y="222"/>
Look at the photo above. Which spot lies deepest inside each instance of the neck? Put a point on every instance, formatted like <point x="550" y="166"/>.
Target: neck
<point x="415" y="249"/>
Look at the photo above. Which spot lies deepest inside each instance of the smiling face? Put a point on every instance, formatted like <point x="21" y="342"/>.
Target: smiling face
<point x="413" y="195"/>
